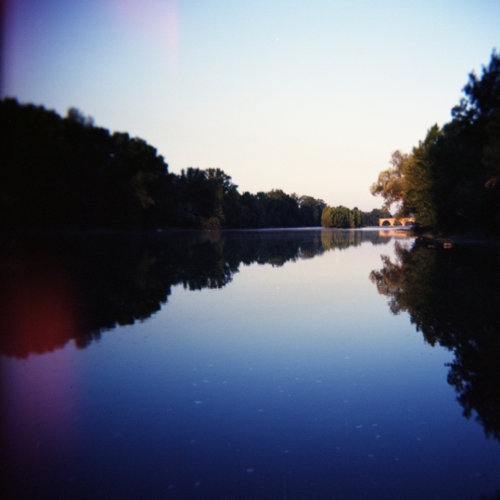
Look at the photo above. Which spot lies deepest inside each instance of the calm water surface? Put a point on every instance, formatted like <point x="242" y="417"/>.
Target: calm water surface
<point x="249" y="365"/>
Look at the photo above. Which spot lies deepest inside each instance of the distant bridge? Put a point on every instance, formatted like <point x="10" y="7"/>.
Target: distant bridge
<point x="394" y="221"/>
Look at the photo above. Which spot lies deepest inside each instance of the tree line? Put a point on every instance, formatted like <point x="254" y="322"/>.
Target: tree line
<point x="64" y="172"/>
<point x="450" y="181"/>
<point x="343" y="217"/>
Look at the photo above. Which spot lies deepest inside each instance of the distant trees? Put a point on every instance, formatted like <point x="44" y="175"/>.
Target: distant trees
<point x="272" y="209"/>
<point x="372" y="218"/>
<point x="311" y="210"/>
<point x="200" y="198"/>
<point x="341" y="217"/>
<point x="67" y="173"/>
<point x="346" y="218"/>
<point x="450" y="181"/>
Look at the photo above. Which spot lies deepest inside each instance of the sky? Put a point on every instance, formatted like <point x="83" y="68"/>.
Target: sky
<point x="308" y="97"/>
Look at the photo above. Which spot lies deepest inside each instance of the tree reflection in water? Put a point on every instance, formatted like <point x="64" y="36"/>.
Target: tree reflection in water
<point x="61" y="287"/>
<point x="453" y="298"/>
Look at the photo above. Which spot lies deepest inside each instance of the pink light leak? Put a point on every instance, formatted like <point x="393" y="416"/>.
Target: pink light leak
<point x="39" y="314"/>
<point x="39" y="396"/>
<point x="39" y="390"/>
<point x="153" y="21"/>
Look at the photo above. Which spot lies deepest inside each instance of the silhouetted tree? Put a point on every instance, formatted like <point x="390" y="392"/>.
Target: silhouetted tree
<point x="67" y="173"/>
<point x="450" y="180"/>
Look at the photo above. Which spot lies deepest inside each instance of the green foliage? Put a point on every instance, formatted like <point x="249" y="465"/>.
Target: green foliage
<point x="419" y="180"/>
<point x="450" y="180"/>
<point x="341" y="217"/>
<point x="389" y="184"/>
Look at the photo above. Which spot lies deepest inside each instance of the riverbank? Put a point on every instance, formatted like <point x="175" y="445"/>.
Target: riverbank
<point x="431" y="240"/>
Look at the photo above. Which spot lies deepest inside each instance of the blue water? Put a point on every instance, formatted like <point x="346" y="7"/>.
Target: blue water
<point x="290" y="382"/>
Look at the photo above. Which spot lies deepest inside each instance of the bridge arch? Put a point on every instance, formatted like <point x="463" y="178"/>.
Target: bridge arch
<point x="394" y="221"/>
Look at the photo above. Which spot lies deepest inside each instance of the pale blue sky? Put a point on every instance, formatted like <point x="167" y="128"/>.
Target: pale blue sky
<point x="309" y="97"/>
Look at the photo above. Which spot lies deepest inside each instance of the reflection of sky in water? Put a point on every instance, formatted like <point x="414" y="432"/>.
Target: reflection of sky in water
<point x="292" y="378"/>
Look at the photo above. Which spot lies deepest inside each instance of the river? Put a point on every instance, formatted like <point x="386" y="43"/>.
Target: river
<point x="293" y="364"/>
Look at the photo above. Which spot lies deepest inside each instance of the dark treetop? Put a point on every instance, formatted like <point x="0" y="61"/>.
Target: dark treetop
<point x="450" y="181"/>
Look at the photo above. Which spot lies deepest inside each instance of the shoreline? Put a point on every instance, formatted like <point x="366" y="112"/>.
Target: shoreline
<point x="429" y="240"/>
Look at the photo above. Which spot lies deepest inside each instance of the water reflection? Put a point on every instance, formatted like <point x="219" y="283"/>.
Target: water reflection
<point x="61" y="287"/>
<point x="293" y="376"/>
<point x="453" y="298"/>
